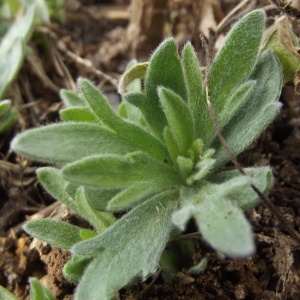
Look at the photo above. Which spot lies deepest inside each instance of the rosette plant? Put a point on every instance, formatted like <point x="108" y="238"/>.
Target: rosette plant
<point x="157" y="160"/>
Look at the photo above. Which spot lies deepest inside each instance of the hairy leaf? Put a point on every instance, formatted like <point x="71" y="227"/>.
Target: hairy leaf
<point x="123" y="253"/>
<point x="55" y="185"/>
<point x="71" y="99"/>
<point x="6" y="295"/>
<point x="164" y="70"/>
<point x="195" y="89"/>
<point x="114" y="171"/>
<point x="78" y="114"/>
<point x="179" y="119"/>
<point x="56" y="233"/>
<point x="257" y="112"/>
<point x="132" y="133"/>
<point x="235" y="60"/>
<point x="246" y="198"/>
<point x="222" y="224"/>
<point x="74" y="268"/>
<point x="99" y="219"/>
<point x="38" y="291"/>
<point x="69" y="142"/>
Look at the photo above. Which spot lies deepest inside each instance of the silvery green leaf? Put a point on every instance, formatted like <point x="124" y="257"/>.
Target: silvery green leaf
<point x="74" y="268"/>
<point x="101" y="220"/>
<point x="245" y="198"/>
<point x="123" y="253"/>
<point x="78" y="114"/>
<point x="70" y="98"/>
<point x="136" y="192"/>
<point x="221" y="223"/>
<point x="132" y="133"/>
<point x="99" y="198"/>
<point x="56" y="233"/>
<point x="6" y="295"/>
<point x="38" y="291"/>
<point x="224" y="226"/>
<point x="171" y="143"/>
<point x="235" y="102"/>
<point x="195" y="89"/>
<point x="202" y="169"/>
<point x="235" y="60"/>
<point x="69" y="142"/>
<point x="179" y="118"/>
<point x="169" y="76"/>
<point x="114" y="171"/>
<point x="185" y="165"/>
<point x="129" y="111"/>
<point x="55" y="185"/>
<point x="257" y="112"/>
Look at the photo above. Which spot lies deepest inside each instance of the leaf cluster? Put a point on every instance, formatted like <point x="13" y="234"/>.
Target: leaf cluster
<point x="157" y="160"/>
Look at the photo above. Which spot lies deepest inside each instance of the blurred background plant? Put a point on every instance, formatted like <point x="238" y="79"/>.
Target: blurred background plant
<point x="15" y="37"/>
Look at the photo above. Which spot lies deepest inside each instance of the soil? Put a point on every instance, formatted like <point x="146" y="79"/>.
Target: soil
<point x="96" y="41"/>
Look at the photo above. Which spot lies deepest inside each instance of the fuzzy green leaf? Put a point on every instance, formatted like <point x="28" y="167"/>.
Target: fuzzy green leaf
<point x="179" y="118"/>
<point x="164" y="70"/>
<point x="129" y="249"/>
<point x="70" y="98"/>
<point x="99" y="104"/>
<point x="74" y="268"/>
<point x="136" y="192"/>
<point x="196" y="93"/>
<point x="185" y="166"/>
<point x="109" y="171"/>
<point x="246" y="198"/>
<point x="99" y="198"/>
<point x="202" y="169"/>
<point x="235" y="60"/>
<point x="129" y="112"/>
<point x="6" y="295"/>
<point x="257" y="112"/>
<point x="78" y="114"/>
<point x="55" y="185"/>
<point x="132" y="133"/>
<point x="56" y="233"/>
<point x="222" y="224"/>
<point x="155" y="122"/>
<point x="86" y="234"/>
<point x="68" y="142"/>
<point x="235" y="102"/>
<point x="38" y="291"/>
<point x="99" y="219"/>
<point x="171" y="143"/>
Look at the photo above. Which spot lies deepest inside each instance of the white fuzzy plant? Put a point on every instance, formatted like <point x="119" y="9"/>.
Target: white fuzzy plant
<point x="158" y="159"/>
